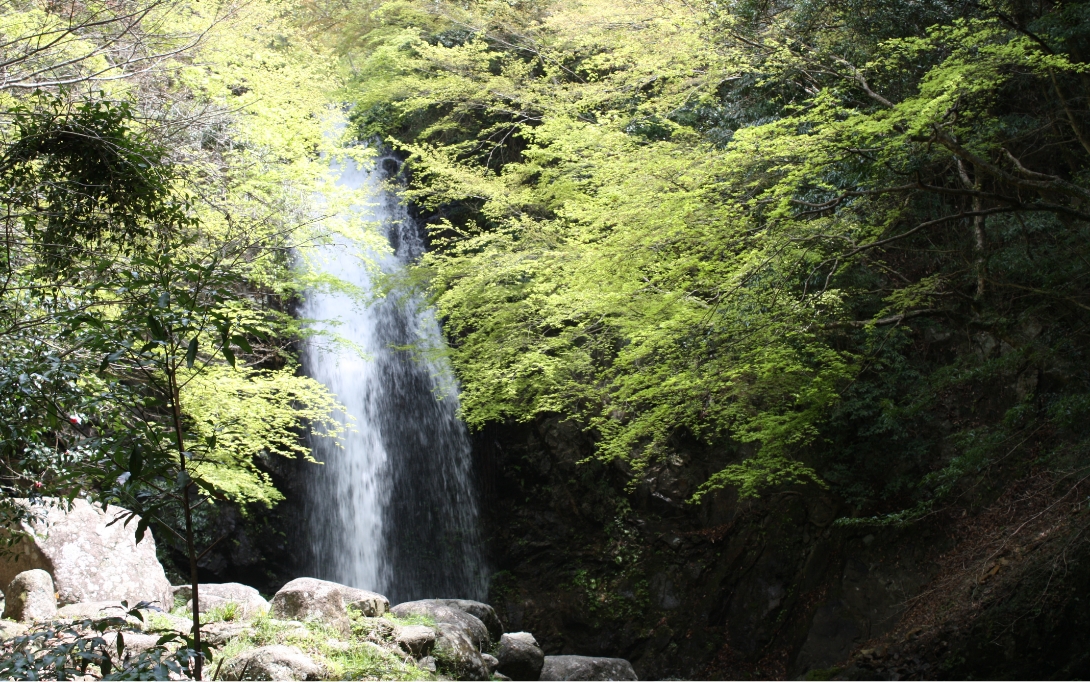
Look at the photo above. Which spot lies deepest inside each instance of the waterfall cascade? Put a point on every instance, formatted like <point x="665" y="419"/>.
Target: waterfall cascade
<point x="393" y="510"/>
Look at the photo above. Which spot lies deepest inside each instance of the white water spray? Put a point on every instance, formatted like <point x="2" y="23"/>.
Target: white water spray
<point x="394" y="510"/>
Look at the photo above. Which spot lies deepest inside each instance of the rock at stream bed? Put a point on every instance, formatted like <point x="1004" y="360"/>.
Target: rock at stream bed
<point x="312" y="599"/>
<point x="218" y="595"/>
<point x="416" y="640"/>
<point x="586" y="668"/>
<point x="91" y="554"/>
<point x="483" y="612"/>
<point x="457" y="654"/>
<point x="519" y="656"/>
<point x="441" y="611"/>
<point x="460" y="640"/>
<point x="272" y="663"/>
<point x="30" y="597"/>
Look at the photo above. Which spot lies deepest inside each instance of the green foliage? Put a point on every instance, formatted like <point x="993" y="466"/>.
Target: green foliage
<point x="131" y="288"/>
<point x="66" y="651"/>
<point x="227" y="612"/>
<point x="79" y="177"/>
<point x="246" y="415"/>
<point x="147" y="237"/>
<point x="354" y="659"/>
<point x="735" y="222"/>
<point x="411" y="619"/>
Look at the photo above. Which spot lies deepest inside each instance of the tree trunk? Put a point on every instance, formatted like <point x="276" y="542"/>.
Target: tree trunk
<point x="190" y="549"/>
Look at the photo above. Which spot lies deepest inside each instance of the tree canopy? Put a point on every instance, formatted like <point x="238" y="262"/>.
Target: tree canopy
<point x="746" y="224"/>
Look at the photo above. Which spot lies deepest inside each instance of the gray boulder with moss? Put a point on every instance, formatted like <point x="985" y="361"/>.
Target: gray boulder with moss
<point x="369" y="650"/>
<point x="416" y="640"/>
<point x="460" y="637"/>
<point x="519" y="656"/>
<point x="483" y="612"/>
<point x="457" y="654"/>
<point x="213" y="596"/>
<point x="440" y="611"/>
<point x="92" y="555"/>
<point x="312" y="599"/>
<point x="30" y="597"/>
<point x="276" y="662"/>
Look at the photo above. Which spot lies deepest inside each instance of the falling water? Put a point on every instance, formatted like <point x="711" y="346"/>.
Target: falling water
<point x="393" y="510"/>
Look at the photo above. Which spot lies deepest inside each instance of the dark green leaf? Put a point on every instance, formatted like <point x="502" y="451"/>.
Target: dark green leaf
<point x="191" y="352"/>
<point x="141" y="529"/>
<point x="242" y="343"/>
<point x="136" y="461"/>
<point x="156" y="328"/>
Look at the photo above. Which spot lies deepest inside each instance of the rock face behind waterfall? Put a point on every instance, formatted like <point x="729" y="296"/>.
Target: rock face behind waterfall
<point x="91" y="555"/>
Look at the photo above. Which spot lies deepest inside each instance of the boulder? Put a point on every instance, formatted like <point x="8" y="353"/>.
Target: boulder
<point x="586" y="668"/>
<point x="275" y="662"/>
<point x="92" y="610"/>
<point x="491" y="663"/>
<point x="460" y="637"/>
<point x="217" y="595"/>
<point x="519" y="656"/>
<point x="135" y="643"/>
<point x="376" y="629"/>
<point x="369" y="604"/>
<point x="218" y="634"/>
<point x="416" y="640"/>
<point x="483" y="612"/>
<point x="97" y="610"/>
<point x="9" y="629"/>
<point x="441" y="612"/>
<point x="91" y="554"/>
<point x="427" y="664"/>
<point x="30" y="597"/>
<point x="456" y="654"/>
<point x="313" y="599"/>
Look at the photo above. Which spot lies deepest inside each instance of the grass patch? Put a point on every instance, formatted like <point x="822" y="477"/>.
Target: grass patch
<point x="345" y="658"/>
<point x="228" y="612"/>
<point x="411" y="619"/>
<point x="822" y="673"/>
<point x="159" y="622"/>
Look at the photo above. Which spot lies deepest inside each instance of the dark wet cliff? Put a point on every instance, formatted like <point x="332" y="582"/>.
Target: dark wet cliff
<point x="774" y="588"/>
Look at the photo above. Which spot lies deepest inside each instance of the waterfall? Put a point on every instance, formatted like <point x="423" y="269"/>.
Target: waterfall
<point x="392" y="509"/>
